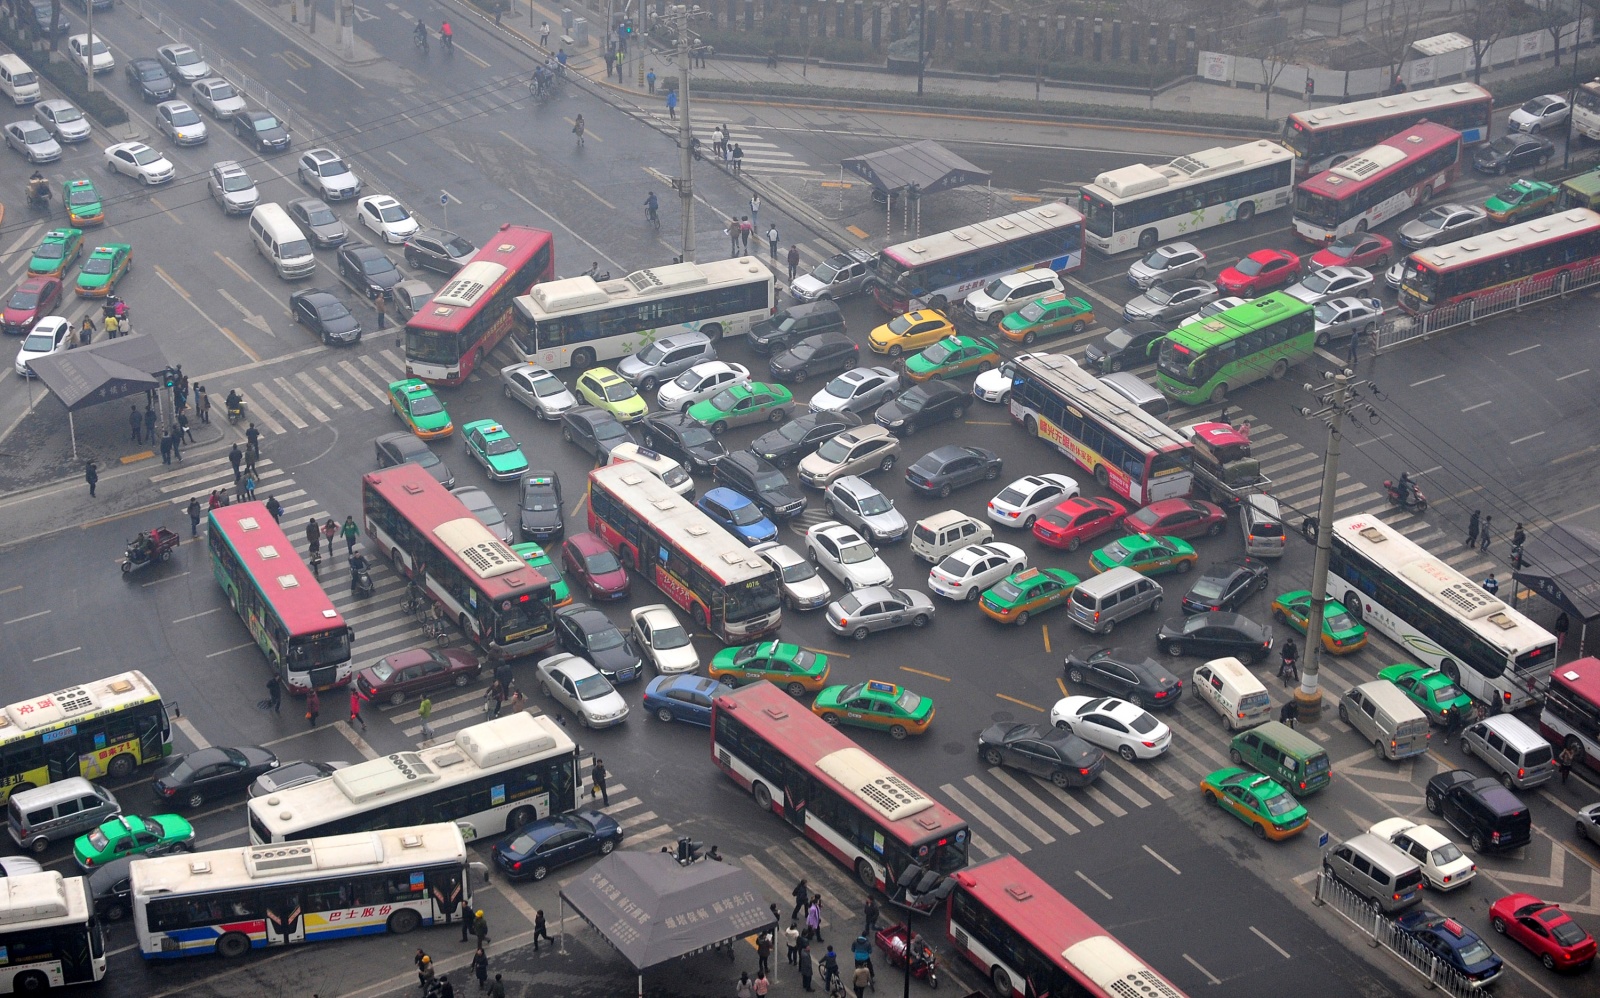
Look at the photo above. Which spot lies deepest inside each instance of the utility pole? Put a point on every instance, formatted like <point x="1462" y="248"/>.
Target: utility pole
<point x="922" y="42"/>
<point x="685" y="181"/>
<point x="89" y="83"/>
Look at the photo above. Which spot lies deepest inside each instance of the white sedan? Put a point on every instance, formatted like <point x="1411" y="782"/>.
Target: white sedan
<point x="1113" y="724"/>
<point x="1340" y="319"/>
<point x="994" y="385"/>
<point x="1540" y="113"/>
<point x="32" y="140"/>
<point x="98" y="53"/>
<point x="135" y="159"/>
<point x="964" y="574"/>
<point x="580" y="688"/>
<point x="537" y="389"/>
<point x="1022" y="502"/>
<point x="183" y="63"/>
<point x="664" y="639"/>
<point x="48" y="336"/>
<point x="220" y="98"/>
<point x="803" y="588"/>
<point x="1329" y="283"/>
<point x="845" y="555"/>
<point x="856" y="390"/>
<point x="387" y="217"/>
<point x="699" y="383"/>
<point x="1443" y="864"/>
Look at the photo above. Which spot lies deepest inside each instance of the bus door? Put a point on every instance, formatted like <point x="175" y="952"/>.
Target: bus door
<point x="71" y="945"/>
<point x="447" y="889"/>
<point x="61" y="753"/>
<point x="285" y="921"/>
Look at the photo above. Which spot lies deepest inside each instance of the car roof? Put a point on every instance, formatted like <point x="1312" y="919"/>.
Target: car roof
<point x="728" y="497"/>
<point x="402" y="441"/>
<point x="576" y="666"/>
<point x="855" y="485"/>
<point x="411" y="656"/>
<point x="588" y="543"/>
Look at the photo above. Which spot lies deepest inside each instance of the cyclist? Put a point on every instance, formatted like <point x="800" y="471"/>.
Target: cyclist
<point x="651" y="207"/>
<point x="420" y="33"/>
<point x="447" y="36"/>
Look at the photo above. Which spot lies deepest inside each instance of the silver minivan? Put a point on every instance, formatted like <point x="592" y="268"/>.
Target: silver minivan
<point x="1374" y="868"/>
<point x="1518" y="753"/>
<point x="665" y="359"/>
<point x="1138" y="391"/>
<point x="58" y="812"/>
<point x="1098" y="604"/>
<point x="1261" y="523"/>
<point x="1386" y="717"/>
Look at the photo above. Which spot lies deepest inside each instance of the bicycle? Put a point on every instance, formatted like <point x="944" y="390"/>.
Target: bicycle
<point x="413" y="600"/>
<point x="447" y="42"/>
<point x="420" y="40"/>
<point x="439" y="629"/>
<point x="653" y="217"/>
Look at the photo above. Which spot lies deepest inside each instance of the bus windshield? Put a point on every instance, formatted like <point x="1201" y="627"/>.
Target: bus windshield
<point x="329" y="648"/>
<point x="1097" y="215"/>
<point x="753" y="599"/>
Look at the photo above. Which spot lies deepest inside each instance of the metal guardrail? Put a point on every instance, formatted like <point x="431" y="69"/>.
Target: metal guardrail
<point x="1402" y="328"/>
<point x="1381" y="931"/>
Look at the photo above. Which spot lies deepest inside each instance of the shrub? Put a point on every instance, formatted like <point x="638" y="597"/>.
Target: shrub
<point x="768" y="38"/>
<point x="1553" y="80"/>
<point x="1125" y="74"/>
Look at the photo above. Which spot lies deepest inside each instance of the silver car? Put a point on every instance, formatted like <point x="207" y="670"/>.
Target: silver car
<point x="1443" y="223"/>
<point x="181" y="123"/>
<point x="1171" y="301"/>
<point x="1330" y="283"/>
<point x="30" y="138"/>
<point x="666" y="358"/>
<point x="62" y="119"/>
<point x="878" y="608"/>
<point x="859" y="503"/>
<point x="481" y="506"/>
<point x="580" y="688"/>
<point x="1342" y="318"/>
<point x="860" y="449"/>
<point x="183" y="63"/>
<point x="325" y="172"/>
<point x="232" y="187"/>
<point x="220" y="98"/>
<point x="856" y="390"/>
<point x="411" y="296"/>
<point x="803" y="588"/>
<point x="537" y="389"/>
<point x="1167" y="263"/>
<point x="836" y="277"/>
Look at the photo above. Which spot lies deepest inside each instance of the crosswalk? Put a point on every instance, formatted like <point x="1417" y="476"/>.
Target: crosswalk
<point x="761" y="157"/>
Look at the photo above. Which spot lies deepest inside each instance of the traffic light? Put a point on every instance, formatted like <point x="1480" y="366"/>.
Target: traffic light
<point x="169" y="377"/>
<point x="688" y="850"/>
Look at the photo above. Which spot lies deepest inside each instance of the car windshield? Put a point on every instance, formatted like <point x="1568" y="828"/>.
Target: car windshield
<point x="426" y="405"/>
<point x="1568" y="933"/>
<point x="900" y="323"/>
<point x="1033" y="311"/>
<point x="97" y="265"/>
<point x="99" y="47"/>
<point x="1513" y="194"/>
<point x="39" y="342"/>
<point x="30" y="299"/>
<point x="82" y="195"/>
<point x="1118" y="338"/>
<point x="500" y="445"/>
<point x="804" y="351"/>
<point x="695" y="435"/>
<point x="1446" y="692"/>
<point x="795" y="430"/>
<point x="62" y="115"/>
<point x="1318" y="282"/>
<point x="850" y="603"/>
<point x="1345" y="246"/>
<point x="939" y="352"/>
<point x="1159" y="295"/>
<point x="619" y="391"/>
<point x="908" y="701"/>
<point x="457" y="246"/>
<point x="798" y="571"/>
<point x="593" y="687"/>
<point x="1207" y="588"/>
<point x="1279" y="805"/>
<point x="1249" y="266"/>
<point x="1012" y="496"/>
<point x="265" y="122"/>
<point x="745" y="516"/>
<point x="381" y="671"/>
<point x="1434" y="219"/>
<point x="747" y="655"/>
<point x="185" y="116"/>
<point x="538" y="501"/>
<point x="332" y="310"/>
<point x="651" y="354"/>
<point x="1475" y="952"/>
<point x="237" y="182"/>
<point x="393" y="213"/>
<point x="332" y="168"/>
<point x="833" y="450"/>
<point x="672" y="636"/>
<point x="725" y="400"/>
<point x="1143" y="723"/>
<point x="152" y="73"/>
<point x="689" y="380"/>
<point x="1325" y="313"/>
<point x="98" y="841"/>
<point x="320" y="215"/>
<point x="1447" y="853"/>
<point x="375" y="264"/>
<point x="1007" y="591"/>
<point x="1145" y="517"/>
<point x="855" y="552"/>
<point x="221" y="91"/>
<point x="603" y="640"/>
<point x="601" y="562"/>
<point x="913" y="401"/>
<point x="875" y="503"/>
<point x="1536" y="106"/>
<point x="548" y="384"/>
<point x="33" y="134"/>
<point x="145" y="155"/>
<point x="1155" y="261"/>
<point x="769" y="479"/>
<point x="1338" y="622"/>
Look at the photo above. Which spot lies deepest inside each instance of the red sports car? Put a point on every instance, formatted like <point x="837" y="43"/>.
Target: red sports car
<point x="594" y="565"/>
<point x="1260" y="272"/>
<point x="1076" y="520"/>
<point x="35" y="298"/>
<point x="1184" y="518"/>
<point x="1548" y="932"/>
<point x="1355" y="249"/>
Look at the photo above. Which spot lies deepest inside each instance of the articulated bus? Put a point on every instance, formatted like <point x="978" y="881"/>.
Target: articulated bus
<point x="1436" y="615"/>
<point x="49" y="934"/>
<point x="1327" y="136"/>
<point x="108" y="727"/>
<point x="1571" y="714"/>
<point x="1205" y="359"/>
<point x="1139" y="206"/>
<point x="1540" y="256"/>
<point x="727" y="588"/>
<point x="1367" y="190"/>
<point x="473" y="312"/>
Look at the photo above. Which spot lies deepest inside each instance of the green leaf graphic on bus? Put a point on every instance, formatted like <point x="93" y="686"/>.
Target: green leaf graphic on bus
<point x="1422" y="646"/>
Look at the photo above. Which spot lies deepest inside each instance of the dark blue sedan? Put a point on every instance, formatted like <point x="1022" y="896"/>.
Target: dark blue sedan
<point x="532" y="851"/>
<point x="741" y="516"/>
<point x="684" y="698"/>
<point x="1454" y="944"/>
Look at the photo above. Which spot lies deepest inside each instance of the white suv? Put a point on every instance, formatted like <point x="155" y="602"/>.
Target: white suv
<point x="1004" y="295"/>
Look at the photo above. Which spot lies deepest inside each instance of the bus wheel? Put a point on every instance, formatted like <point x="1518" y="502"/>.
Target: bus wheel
<point x="1219" y="393"/>
<point x="1451" y="670"/>
<point x="237" y="944"/>
<point x="763" y="796"/>
<point x="866" y="874"/>
<point x="1280" y="369"/>
<point x="1032" y="426"/>
<point x="1352" y="605"/>
<point x="1148" y="239"/>
<point x="519" y="817"/>
<point x="121" y="765"/>
<point x="1247" y="211"/>
<point x="1102" y="476"/>
<point x="940" y="302"/>
<point x="713" y="331"/>
<point x="1579" y="753"/>
<point x="404" y="920"/>
<point x="1361" y="226"/>
<point x="32" y="982"/>
<point x="1002" y="980"/>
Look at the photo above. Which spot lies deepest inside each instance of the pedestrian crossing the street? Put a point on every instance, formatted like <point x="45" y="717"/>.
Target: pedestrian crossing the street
<point x="760" y="157"/>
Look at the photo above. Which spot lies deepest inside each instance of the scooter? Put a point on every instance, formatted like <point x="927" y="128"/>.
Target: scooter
<point x="1416" y="502"/>
<point x="236" y="412"/>
<point x="360" y="581"/>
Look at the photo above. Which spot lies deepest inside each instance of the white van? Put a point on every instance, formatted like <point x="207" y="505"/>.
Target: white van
<point x="1234" y="692"/>
<point x="1004" y="295"/>
<point x="1261" y="522"/>
<point x="935" y="536"/>
<point x="1138" y="391"/>
<point x="1386" y="717"/>
<point x="280" y="240"/>
<point x="18" y="79"/>
<point x="665" y="468"/>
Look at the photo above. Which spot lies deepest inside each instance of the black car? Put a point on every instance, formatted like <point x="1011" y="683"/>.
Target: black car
<point x="792" y="441"/>
<point x="1224" y="585"/>
<point x="150" y="79"/>
<point x="922" y="406"/>
<point x="684" y="440"/>
<point x="191" y="780"/>
<point x="368" y="270"/>
<point x="41" y="18"/>
<point x="793" y="324"/>
<point x="1213" y="635"/>
<point x="261" y="129"/>
<point x="1128" y="345"/>
<point x="540" y="507"/>
<point x="1136" y="678"/>
<point x="815" y="355"/>
<point x="318" y="222"/>
<point x="590" y="634"/>
<point x="947" y="468"/>
<point x="401" y="446"/>
<point x="323" y="313"/>
<point x="595" y="430"/>
<point x="752" y="475"/>
<point x="1054" y="754"/>
<point x="532" y="851"/>
<point x="1513" y="151"/>
<point x="111" y="889"/>
<point x="1489" y="815"/>
<point x="439" y="250"/>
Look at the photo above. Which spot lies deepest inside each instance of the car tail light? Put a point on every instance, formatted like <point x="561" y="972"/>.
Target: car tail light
<point x="1241" y="717"/>
<point x="844" y="621"/>
<point x="954" y="584"/>
<point x="1148" y="744"/>
<point x="1495" y="837"/>
<point x="1161" y="694"/>
<point x="1521" y="773"/>
<point x="517" y="865"/>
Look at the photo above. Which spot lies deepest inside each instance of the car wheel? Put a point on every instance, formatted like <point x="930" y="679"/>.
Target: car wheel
<point x="1029" y="522"/>
<point x="799" y="377"/>
<point x="908" y="429"/>
<point x="1548" y="961"/>
<point x="607" y="846"/>
<point x="1211" y="798"/>
<point x="944" y="491"/>
<point x="860" y="634"/>
<point x="1344" y="714"/>
<point x="195" y="798"/>
<point x="1075" y="674"/>
<point x="1127" y="753"/>
<point x="1073" y="544"/>
<point x="1233" y="753"/>
<point x="1174" y="648"/>
<point x="1022" y="618"/>
<point x="1505" y="778"/>
<point x="719" y="427"/>
<point x="1028" y="338"/>
<point x="1111" y="625"/>
<point x="886" y="463"/>
<point x="895" y="352"/>
<point x="1216" y="528"/>
<point x="832" y="719"/>
<point x="540" y="872"/>
<point x="664" y="714"/>
<point x="1061" y="779"/>
<point x="647" y="384"/>
<point x="462" y="680"/>
<point x="991" y="474"/>
<point x="992" y="756"/>
<point x="973" y="594"/>
<point x="920" y="620"/>
<point x="1259" y="829"/>
<point x="897" y="732"/>
<point x="1477" y="842"/>
<point x="397" y="698"/>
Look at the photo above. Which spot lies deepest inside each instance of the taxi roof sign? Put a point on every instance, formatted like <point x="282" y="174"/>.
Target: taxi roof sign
<point x="879" y="686"/>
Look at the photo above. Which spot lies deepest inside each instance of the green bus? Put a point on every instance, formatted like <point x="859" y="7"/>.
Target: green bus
<point x="1582" y="191"/>
<point x="1203" y="359"/>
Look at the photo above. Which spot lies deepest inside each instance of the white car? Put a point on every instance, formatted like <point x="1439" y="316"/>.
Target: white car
<point x="1218" y="307"/>
<point x="181" y="123"/>
<point x="183" y="63"/>
<point x="1021" y="502"/>
<point x="966" y="573"/>
<point x="1395" y="274"/>
<point x="48" y="336"/>
<point x="1329" y="283"/>
<point x="843" y="554"/>
<point x="856" y="390"/>
<point x="1113" y="724"/>
<point x="1540" y="113"/>
<point x="578" y="686"/>
<point x="1443" y="864"/>
<point x="994" y="385"/>
<point x="699" y="383"/>
<point x="803" y="588"/>
<point x="387" y="217"/>
<point x="78" y="47"/>
<point x="537" y="389"/>
<point x="325" y="172"/>
<point x="1341" y="318"/>
<point x="664" y="640"/>
<point x="32" y="140"/>
<point x="135" y="159"/>
<point x="1167" y="263"/>
<point x="220" y="98"/>
<point x="63" y="119"/>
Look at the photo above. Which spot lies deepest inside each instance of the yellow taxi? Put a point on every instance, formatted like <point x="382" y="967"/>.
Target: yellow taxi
<point x="911" y="331"/>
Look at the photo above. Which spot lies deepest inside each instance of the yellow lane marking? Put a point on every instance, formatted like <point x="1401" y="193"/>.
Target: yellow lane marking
<point x="1021" y="703"/>
<point x="143" y="455"/>
<point x="859" y="233"/>
<point x="824" y="651"/>
<point x="1045" y="629"/>
<point x="1063" y="687"/>
<point x="930" y="675"/>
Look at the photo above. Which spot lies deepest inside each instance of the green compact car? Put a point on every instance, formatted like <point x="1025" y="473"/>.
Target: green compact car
<point x="1146" y="554"/>
<point x="1342" y="633"/>
<point x="1428" y="688"/>
<point x="420" y="409"/>
<point x="740" y="404"/>
<point x="952" y="357"/>
<point x="875" y="704"/>
<point x="534" y="555"/>
<point x="1258" y="801"/>
<point x="605" y="389"/>
<point x="492" y="446"/>
<point x="56" y="253"/>
<point x="1522" y="200"/>
<point x="1019" y="596"/>
<point x="1048" y="316"/>
<point x="795" y="669"/>
<point x="104" y="268"/>
<point x="131" y="835"/>
<point x="83" y="202"/>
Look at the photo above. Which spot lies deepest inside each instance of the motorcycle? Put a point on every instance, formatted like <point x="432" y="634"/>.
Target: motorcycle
<point x="360" y="580"/>
<point x="1416" y="502"/>
<point x="39" y="196"/>
<point x="149" y="548"/>
<point x="236" y="412"/>
<point x="924" y="962"/>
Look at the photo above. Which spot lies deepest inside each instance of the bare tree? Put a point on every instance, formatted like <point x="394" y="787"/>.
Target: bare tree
<point x="1486" y="23"/>
<point x="1392" y="36"/>
<point x="1143" y="14"/>
<point x="1554" y="16"/>
<point x="1275" y="57"/>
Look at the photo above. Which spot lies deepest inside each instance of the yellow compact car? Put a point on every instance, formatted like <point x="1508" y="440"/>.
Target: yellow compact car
<point x="912" y="331"/>
<point x="605" y="389"/>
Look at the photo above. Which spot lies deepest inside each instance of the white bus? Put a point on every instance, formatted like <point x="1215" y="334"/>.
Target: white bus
<point x="230" y="901"/>
<point x="1436" y="615"/>
<point x="49" y="935"/>
<point x="1139" y="206"/>
<point x="578" y="321"/>
<point x="490" y="778"/>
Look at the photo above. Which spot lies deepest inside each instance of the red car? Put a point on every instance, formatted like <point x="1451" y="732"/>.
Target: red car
<point x="1548" y="932"/>
<point x="1355" y="249"/>
<point x="1076" y="520"/>
<point x="1184" y="518"/>
<point x="595" y="565"/>
<point x="35" y="298"/>
<point x="1260" y="272"/>
<point x="414" y="671"/>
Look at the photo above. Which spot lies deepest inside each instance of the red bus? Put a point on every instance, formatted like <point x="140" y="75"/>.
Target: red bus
<point x="1526" y="261"/>
<point x="473" y="312"/>
<point x="1325" y="136"/>
<point x="1571" y="714"/>
<point x="1374" y="186"/>
<point x="496" y="598"/>
<point x="1030" y="942"/>
<point x="280" y="601"/>
<point x="819" y="780"/>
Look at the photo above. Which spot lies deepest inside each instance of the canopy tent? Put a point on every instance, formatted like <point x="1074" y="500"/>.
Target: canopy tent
<point x="1562" y="564"/>
<point x="101" y="372"/>
<point x="927" y="164"/>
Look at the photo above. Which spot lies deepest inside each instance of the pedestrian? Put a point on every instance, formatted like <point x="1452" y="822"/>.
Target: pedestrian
<point x="425" y="711"/>
<point x="177" y="442"/>
<point x="420" y="960"/>
<point x="251" y="455"/>
<point x="791" y="941"/>
<point x="672" y="104"/>
<point x="1454" y="721"/>
<point x="350" y="532"/>
<point x="215" y="501"/>
<point x="135" y="425"/>
<point x="503" y="675"/>
<point x="794" y="261"/>
<point x="1491" y="585"/>
<point x="621" y="54"/>
<point x="446" y="989"/>
<point x="1289" y="713"/>
<point x="425" y="974"/>
<point x="544" y="35"/>
<point x="761" y="985"/>
<point x="315" y="558"/>
<point x="183" y="427"/>
<point x="861" y="979"/>
<point x="313" y="706"/>
<point x="166" y="449"/>
<point x="801" y="894"/>
<point x="803" y="958"/>
<point x="742" y="989"/>
<point x="480" y="927"/>
<point x="493" y="699"/>
<point x="598" y="778"/>
<point x="150" y="423"/>
<point x="1518" y="538"/>
<point x="86" y="333"/>
<point x="772" y="58"/>
<point x="755" y="209"/>
<point x="355" y="709"/>
<point x="814" y="920"/>
<point x="313" y="538"/>
<point x="746" y="229"/>
<point x="383" y="321"/>
<point x="91" y="475"/>
<point x="871" y="911"/>
<point x="202" y="403"/>
<point x="1564" y="760"/>
<point x="1563" y="625"/>
<point x="539" y="931"/>
<point x="830" y="969"/>
<point x="275" y="697"/>
<point x="480" y="967"/>
<point x="330" y="530"/>
<point x="275" y="509"/>
<point x="194" y="516"/>
<point x="1353" y="357"/>
<point x="717" y="141"/>
<point x="111" y="327"/>
<point x="763" y="952"/>
<point x="1472" y="527"/>
<point x="732" y="232"/>
<point x="738" y="160"/>
<point x="252" y="437"/>
<point x="772" y="241"/>
<point x="700" y="52"/>
<point x="1483" y="535"/>
<point x="235" y="458"/>
<point x="498" y="988"/>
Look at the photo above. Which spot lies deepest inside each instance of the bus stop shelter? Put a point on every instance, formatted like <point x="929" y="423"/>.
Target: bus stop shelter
<point x="925" y="166"/>
<point x="1562" y="564"/>
<point x="102" y="372"/>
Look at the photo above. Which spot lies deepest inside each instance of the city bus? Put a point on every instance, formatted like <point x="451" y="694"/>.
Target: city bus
<point x="856" y="809"/>
<point x="1126" y="449"/>
<point x="472" y="313"/>
<point x="1536" y="257"/>
<point x="1139" y="206"/>
<point x="944" y="267"/>
<point x="49" y="934"/>
<point x="108" y="727"/>
<point x="267" y="583"/>
<point x="1586" y="111"/>
<point x="497" y="600"/>
<point x="730" y="590"/>
<point x="579" y="321"/>
<point x="1571" y="714"/>
<point x="489" y="778"/>
<point x="1582" y="191"/>
<point x="1367" y="190"/>
<point x="1204" y="359"/>
<point x="1436" y="615"/>
<point x="1326" y="136"/>
<point x="230" y="901"/>
<point x="1029" y="941"/>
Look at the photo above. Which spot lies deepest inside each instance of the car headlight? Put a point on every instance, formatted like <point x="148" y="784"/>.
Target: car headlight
<point x="898" y="422"/>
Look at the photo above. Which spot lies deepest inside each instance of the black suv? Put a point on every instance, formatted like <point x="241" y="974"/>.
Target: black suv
<point x="750" y="474"/>
<point x="815" y="355"/>
<point x="1490" y="816"/>
<point x="792" y="324"/>
<point x="594" y="430"/>
<point x="684" y="440"/>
